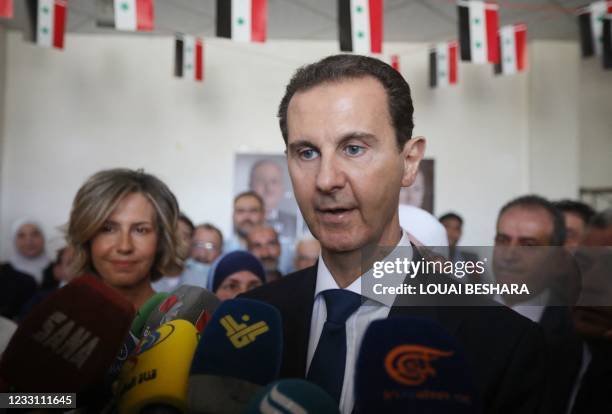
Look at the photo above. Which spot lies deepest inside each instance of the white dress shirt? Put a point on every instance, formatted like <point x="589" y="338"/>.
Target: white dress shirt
<point x="356" y="325"/>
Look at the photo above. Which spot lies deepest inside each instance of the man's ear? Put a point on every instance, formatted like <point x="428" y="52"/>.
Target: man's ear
<point x="413" y="152"/>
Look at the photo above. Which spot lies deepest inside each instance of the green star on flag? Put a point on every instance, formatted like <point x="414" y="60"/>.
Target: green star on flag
<point x="125" y="6"/>
<point x="360" y="34"/>
<point x="477" y="21"/>
<point x="45" y="10"/>
<point x="240" y="21"/>
<point x="359" y="9"/>
<point x="44" y="30"/>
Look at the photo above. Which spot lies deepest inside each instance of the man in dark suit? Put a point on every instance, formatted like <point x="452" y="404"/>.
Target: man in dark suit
<point x="347" y="125"/>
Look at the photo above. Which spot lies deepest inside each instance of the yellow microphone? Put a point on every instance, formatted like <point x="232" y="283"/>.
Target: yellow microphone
<point x="155" y="378"/>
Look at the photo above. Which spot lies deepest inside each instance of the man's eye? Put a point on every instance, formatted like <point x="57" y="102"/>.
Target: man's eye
<point x="308" y="154"/>
<point x="353" y="150"/>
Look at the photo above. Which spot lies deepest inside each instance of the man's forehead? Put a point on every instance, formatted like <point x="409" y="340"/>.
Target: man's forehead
<point x="338" y="108"/>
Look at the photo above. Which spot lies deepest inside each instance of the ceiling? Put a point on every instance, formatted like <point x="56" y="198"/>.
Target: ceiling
<point x="404" y="20"/>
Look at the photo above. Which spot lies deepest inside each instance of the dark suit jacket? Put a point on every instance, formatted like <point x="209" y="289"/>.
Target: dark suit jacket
<point x="504" y="349"/>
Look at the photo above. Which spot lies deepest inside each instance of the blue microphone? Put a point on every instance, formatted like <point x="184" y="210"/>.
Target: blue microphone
<point x="411" y="364"/>
<point x="239" y="353"/>
<point x="292" y="396"/>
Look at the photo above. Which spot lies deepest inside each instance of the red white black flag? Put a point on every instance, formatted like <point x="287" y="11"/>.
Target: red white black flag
<point x="46" y="22"/>
<point x="242" y="20"/>
<point x="513" y="49"/>
<point x="361" y="26"/>
<point x="189" y="57"/>
<point x="478" y="25"/>
<point x="590" y="20"/>
<point x="443" y="63"/>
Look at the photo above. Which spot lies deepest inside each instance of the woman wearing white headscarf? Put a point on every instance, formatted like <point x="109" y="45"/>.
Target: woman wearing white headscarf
<point x="29" y="255"/>
<point x="22" y="274"/>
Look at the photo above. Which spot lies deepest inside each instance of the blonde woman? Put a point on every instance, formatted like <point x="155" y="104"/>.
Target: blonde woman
<point x="123" y="228"/>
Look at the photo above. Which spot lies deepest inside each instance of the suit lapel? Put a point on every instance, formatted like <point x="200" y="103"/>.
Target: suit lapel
<point x="297" y="313"/>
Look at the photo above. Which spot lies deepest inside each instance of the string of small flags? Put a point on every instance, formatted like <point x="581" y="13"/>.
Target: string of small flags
<point x="480" y="40"/>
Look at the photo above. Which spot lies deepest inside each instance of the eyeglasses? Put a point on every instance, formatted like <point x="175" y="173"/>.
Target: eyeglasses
<point x="204" y="245"/>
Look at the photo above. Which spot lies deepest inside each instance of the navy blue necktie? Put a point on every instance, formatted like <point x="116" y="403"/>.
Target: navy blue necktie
<point x="327" y="366"/>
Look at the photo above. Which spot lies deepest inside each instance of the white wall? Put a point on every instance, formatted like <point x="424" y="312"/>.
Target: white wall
<point x="110" y="101"/>
<point x="595" y="125"/>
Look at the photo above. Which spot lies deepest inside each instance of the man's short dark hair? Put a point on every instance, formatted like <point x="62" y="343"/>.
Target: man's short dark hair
<point x="582" y="210"/>
<point x="601" y="220"/>
<point x="251" y="194"/>
<point x="344" y="67"/>
<point x="451" y="215"/>
<point x="211" y="227"/>
<point x="182" y="217"/>
<point x="557" y="238"/>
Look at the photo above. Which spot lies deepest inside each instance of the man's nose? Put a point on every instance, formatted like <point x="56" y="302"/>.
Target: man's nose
<point x="330" y="176"/>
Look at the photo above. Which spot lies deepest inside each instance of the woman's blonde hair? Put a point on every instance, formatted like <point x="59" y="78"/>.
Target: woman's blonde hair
<point x="100" y="195"/>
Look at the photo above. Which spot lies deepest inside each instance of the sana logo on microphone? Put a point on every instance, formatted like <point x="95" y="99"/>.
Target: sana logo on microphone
<point x="272" y="401"/>
<point x="241" y="334"/>
<point x="411" y="364"/>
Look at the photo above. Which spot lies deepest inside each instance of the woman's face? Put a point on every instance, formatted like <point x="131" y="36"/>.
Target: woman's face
<point x="237" y="283"/>
<point x="124" y="249"/>
<point x="29" y="241"/>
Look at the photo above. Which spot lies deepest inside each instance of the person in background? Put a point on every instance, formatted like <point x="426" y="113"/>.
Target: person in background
<point x="29" y="255"/>
<point x="266" y="179"/>
<point x="185" y="229"/>
<point x="206" y="246"/>
<point x="453" y="223"/>
<point x="306" y="253"/>
<point x="234" y="273"/>
<point x="249" y="212"/>
<point x="263" y="242"/>
<point x="592" y="318"/>
<point x="577" y="215"/>
<point x="57" y="275"/>
<point x="123" y="228"/>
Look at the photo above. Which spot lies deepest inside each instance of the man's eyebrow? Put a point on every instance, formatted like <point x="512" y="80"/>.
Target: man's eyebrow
<point x="302" y="143"/>
<point x="364" y="136"/>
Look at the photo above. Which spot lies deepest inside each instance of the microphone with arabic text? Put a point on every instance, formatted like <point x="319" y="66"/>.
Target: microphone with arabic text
<point x="190" y="303"/>
<point x="412" y="362"/>
<point x="292" y="396"/>
<point x="154" y="379"/>
<point x="239" y="353"/>
<point x="74" y="334"/>
<point x="133" y="337"/>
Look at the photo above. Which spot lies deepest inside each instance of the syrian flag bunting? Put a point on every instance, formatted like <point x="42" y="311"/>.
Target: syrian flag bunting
<point x="134" y="15"/>
<point x="6" y="9"/>
<point x="361" y="25"/>
<point x="242" y="20"/>
<point x="607" y="42"/>
<point x="513" y="49"/>
<point x="189" y="57"/>
<point x="47" y="22"/>
<point x="590" y="20"/>
<point x="443" y="62"/>
<point x="478" y="25"/>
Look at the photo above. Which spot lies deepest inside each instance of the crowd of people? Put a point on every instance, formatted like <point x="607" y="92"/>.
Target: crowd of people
<point x="126" y="229"/>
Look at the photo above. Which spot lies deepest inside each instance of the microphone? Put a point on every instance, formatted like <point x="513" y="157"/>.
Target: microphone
<point x="7" y="329"/>
<point x="292" y="396"/>
<point x="239" y="352"/>
<point x="145" y="312"/>
<point x="415" y="363"/>
<point x="154" y="378"/>
<point x="74" y="334"/>
<point x="133" y="337"/>
<point x="190" y="303"/>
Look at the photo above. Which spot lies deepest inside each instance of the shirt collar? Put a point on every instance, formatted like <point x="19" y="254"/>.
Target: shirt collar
<point x="325" y="280"/>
